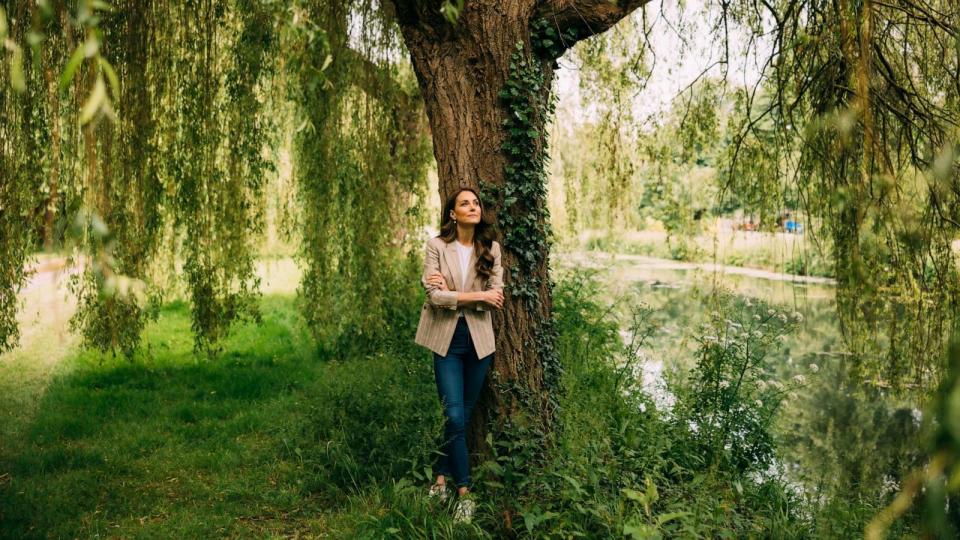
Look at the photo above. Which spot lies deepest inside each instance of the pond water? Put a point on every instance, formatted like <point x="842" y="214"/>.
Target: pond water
<point x="836" y="437"/>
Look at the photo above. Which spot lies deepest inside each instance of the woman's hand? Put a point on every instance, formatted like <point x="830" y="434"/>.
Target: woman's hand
<point x="438" y="281"/>
<point x="494" y="297"/>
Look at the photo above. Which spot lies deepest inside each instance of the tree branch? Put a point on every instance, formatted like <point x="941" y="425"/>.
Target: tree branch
<point x="588" y="17"/>
<point x="375" y="80"/>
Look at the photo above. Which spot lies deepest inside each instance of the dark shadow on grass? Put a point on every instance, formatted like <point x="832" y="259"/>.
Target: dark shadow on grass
<point x="262" y="439"/>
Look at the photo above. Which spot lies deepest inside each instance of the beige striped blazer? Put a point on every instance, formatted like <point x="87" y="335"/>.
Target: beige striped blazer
<point x="438" y="316"/>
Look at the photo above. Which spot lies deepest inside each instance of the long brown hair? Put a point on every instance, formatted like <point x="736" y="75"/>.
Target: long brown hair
<point x="483" y="234"/>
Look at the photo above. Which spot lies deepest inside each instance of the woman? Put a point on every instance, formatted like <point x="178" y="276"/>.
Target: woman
<point x="464" y="281"/>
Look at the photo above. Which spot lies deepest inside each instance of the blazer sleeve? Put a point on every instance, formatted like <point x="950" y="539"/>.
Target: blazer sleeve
<point x="496" y="280"/>
<point x="431" y="265"/>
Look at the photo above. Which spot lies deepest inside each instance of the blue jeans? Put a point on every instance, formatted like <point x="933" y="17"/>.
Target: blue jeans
<point x="459" y="377"/>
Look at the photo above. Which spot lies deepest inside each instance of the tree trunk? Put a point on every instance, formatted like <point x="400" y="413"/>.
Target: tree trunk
<point x="461" y="69"/>
<point x="460" y="75"/>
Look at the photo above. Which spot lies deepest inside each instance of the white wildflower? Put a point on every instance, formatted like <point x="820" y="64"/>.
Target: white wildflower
<point x="782" y="317"/>
<point x="771" y="312"/>
<point x="797" y="316"/>
<point x="761" y="385"/>
<point x="757" y="334"/>
<point x="799" y="379"/>
<point x="758" y="403"/>
<point x="756" y="317"/>
<point x="814" y="368"/>
<point x="724" y="384"/>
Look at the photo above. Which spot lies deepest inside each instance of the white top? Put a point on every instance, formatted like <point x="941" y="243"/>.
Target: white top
<point x="465" y="252"/>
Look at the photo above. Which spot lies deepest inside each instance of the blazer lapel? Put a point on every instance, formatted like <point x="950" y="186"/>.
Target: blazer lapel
<point x="453" y="263"/>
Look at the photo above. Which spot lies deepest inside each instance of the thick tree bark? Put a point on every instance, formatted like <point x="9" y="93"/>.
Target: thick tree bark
<point x="461" y="69"/>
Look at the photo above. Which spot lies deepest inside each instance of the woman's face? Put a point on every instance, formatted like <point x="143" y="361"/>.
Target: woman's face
<point x="466" y="211"/>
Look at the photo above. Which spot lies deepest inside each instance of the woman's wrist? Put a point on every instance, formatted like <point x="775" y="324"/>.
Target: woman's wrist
<point x="469" y="297"/>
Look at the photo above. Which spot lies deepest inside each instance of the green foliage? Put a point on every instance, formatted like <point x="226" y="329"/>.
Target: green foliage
<point x="23" y="160"/>
<point x="153" y="128"/>
<point x="451" y="10"/>
<point x="217" y="167"/>
<point x="360" y="160"/>
<point x="341" y="446"/>
<point x="730" y="403"/>
<point x="624" y="467"/>
<point x="933" y="489"/>
<point x="854" y="113"/>
<point x="166" y="145"/>
<point x="524" y="216"/>
<point x="548" y="41"/>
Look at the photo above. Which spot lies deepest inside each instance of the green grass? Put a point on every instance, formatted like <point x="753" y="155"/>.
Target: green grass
<point x="266" y="440"/>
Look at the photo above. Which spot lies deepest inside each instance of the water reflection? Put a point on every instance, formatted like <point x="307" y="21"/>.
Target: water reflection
<point x="837" y="437"/>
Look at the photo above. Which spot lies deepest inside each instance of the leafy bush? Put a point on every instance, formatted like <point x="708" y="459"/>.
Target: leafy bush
<point x="728" y="404"/>
<point x="623" y="467"/>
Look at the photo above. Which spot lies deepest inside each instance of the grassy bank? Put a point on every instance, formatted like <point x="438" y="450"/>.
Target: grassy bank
<point x="272" y="439"/>
<point x="774" y="252"/>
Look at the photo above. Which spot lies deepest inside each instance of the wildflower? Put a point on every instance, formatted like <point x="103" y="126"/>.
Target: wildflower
<point x="761" y="385"/>
<point x="797" y="316"/>
<point x="814" y="368"/>
<point x="756" y="317"/>
<point x="757" y="334"/>
<point x="776" y="385"/>
<point x="724" y="384"/>
<point x="799" y="379"/>
<point x="771" y="312"/>
<point x="782" y="317"/>
<point x="758" y="403"/>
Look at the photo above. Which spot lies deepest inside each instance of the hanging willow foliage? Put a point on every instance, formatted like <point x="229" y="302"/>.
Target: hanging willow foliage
<point x="866" y="114"/>
<point x="120" y="185"/>
<point x="22" y="148"/>
<point x="216" y="165"/>
<point x="360" y="162"/>
<point x="141" y="130"/>
<point x="857" y="118"/>
<point x="173" y="133"/>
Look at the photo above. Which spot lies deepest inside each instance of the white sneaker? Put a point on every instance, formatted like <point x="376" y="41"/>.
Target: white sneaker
<point x="438" y="491"/>
<point x="463" y="512"/>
